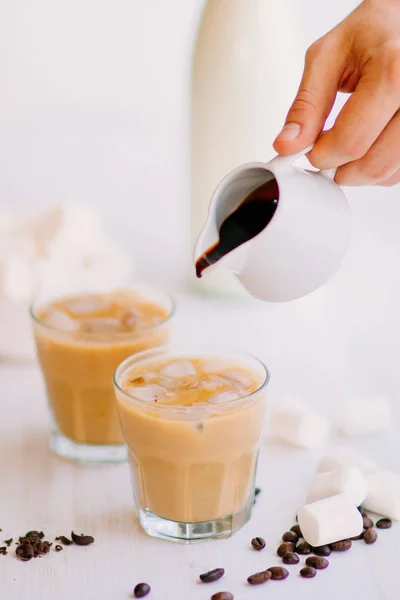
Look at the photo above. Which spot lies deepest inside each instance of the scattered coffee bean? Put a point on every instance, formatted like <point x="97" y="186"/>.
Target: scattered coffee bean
<point x="25" y="551"/>
<point x="211" y="576"/>
<point x="64" y="540"/>
<point x="290" y="536"/>
<point x="322" y="550"/>
<point x="278" y="573"/>
<point x="141" y="590"/>
<point x="317" y="562"/>
<point x="222" y="596"/>
<point x="258" y="543"/>
<point x="384" y="524"/>
<point x="367" y="522"/>
<point x="370" y="536"/>
<point x="259" y="578"/>
<point x="290" y="558"/>
<point x="296" y="529"/>
<point x="341" y="546"/>
<point x="3" y="550"/>
<point x="303" y="548"/>
<point x="308" y="572"/>
<point x="58" y="548"/>
<point x="31" y="536"/>
<point x="82" y="540"/>
<point x="40" y="548"/>
<point x="358" y="537"/>
<point x="285" y="547"/>
<point x="256" y="492"/>
<point x="8" y="542"/>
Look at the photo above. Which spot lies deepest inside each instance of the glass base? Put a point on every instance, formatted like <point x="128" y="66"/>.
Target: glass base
<point x="189" y="533"/>
<point x="87" y="453"/>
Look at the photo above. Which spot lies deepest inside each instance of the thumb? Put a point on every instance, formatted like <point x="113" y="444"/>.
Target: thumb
<point x="314" y="100"/>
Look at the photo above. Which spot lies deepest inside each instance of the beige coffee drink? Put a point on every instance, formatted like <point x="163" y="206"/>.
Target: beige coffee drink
<point x="192" y="424"/>
<point x="80" y="341"/>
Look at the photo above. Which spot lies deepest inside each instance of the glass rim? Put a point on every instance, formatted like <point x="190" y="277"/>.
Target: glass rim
<point x="122" y="335"/>
<point x="183" y="350"/>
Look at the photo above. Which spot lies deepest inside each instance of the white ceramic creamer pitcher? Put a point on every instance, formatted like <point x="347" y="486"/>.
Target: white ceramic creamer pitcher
<point x="303" y="244"/>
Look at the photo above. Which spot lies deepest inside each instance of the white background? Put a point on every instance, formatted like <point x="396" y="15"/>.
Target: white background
<point x="94" y="108"/>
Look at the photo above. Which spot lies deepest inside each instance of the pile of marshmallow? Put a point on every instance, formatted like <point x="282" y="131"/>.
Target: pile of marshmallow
<point x="62" y="250"/>
<point x="344" y="479"/>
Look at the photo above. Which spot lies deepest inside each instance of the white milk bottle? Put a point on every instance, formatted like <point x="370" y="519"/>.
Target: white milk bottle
<point x="247" y="65"/>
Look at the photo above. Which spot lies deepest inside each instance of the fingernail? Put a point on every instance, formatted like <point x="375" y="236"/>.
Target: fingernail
<point x="289" y="132"/>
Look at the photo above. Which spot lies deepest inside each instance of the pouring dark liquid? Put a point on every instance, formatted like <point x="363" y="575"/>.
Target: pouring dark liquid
<point x="247" y="221"/>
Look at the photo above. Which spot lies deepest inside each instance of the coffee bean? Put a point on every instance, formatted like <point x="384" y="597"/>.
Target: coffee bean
<point x="358" y="537"/>
<point x="3" y="550"/>
<point x="290" y="536"/>
<point x="259" y="578"/>
<point x="58" y="548"/>
<point x="64" y="540"/>
<point x="25" y="551"/>
<point x="317" y="562"/>
<point x="211" y="576"/>
<point x="370" y="536"/>
<point x="278" y="573"/>
<point x="141" y="590"/>
<point x="35" y="534"/>
<point x="303" y="548"/>
<point x="258" y="543"/>
<point x="40" y="548"/>
<point x="82" y="540"/>
<point x="8" y="542"/>
<point x="367" y="522"/>
<point x="256" y="492"/>
<point x="290" y="558"/>
<point x="322" y="550"/>
<point x="285" y="547"/>
<point x="381" y="524"/>
<point x="308" y="572"/>
<point x="296" y="529"/>
<point x="341" y="546"/>
<point x="222" y="596"/>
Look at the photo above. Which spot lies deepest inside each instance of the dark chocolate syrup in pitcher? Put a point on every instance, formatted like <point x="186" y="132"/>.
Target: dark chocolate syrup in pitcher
<point x="247" y="221"/>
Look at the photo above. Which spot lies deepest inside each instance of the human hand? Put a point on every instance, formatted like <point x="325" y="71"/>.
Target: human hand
<point x="361" y="56"/>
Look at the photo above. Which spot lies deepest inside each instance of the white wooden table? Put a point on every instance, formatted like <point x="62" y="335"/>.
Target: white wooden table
<point x="40" y="490"/>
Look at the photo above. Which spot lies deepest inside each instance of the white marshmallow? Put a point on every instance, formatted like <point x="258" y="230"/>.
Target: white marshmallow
<point x="345" y="480"/>
<point x="292" y="422"/>
<point x="341" y="457"/>
<point x="384" y="494"/>
<point x="364" y="416"/>
<point x="329" y="520"/>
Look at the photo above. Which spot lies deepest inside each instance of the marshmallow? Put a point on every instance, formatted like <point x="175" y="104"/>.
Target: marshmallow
<point x="329" y="520"/>
<point x="341" y="457"/>
<point x="361" y="417"/>
<point x="292" y="422"/>
<point x="345" y="480"/>
<point x="384" y="494"/>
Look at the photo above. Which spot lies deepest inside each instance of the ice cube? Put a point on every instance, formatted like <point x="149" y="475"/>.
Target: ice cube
<point x="213" y="383"/>
<point x="151" y="392"/>
<point x="89" y="304"/>
<point x="215" y="365"/>
<point x="225" y="397"/>
<point x="100" y="326"/>
<point x="241" y="378"/>
<point x="179" y="368"/>
<point x="59" y="320"/>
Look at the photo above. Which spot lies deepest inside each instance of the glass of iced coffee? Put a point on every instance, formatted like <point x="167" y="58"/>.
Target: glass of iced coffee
<point x="80" y="340"/>
<point x="192" y="421"/>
